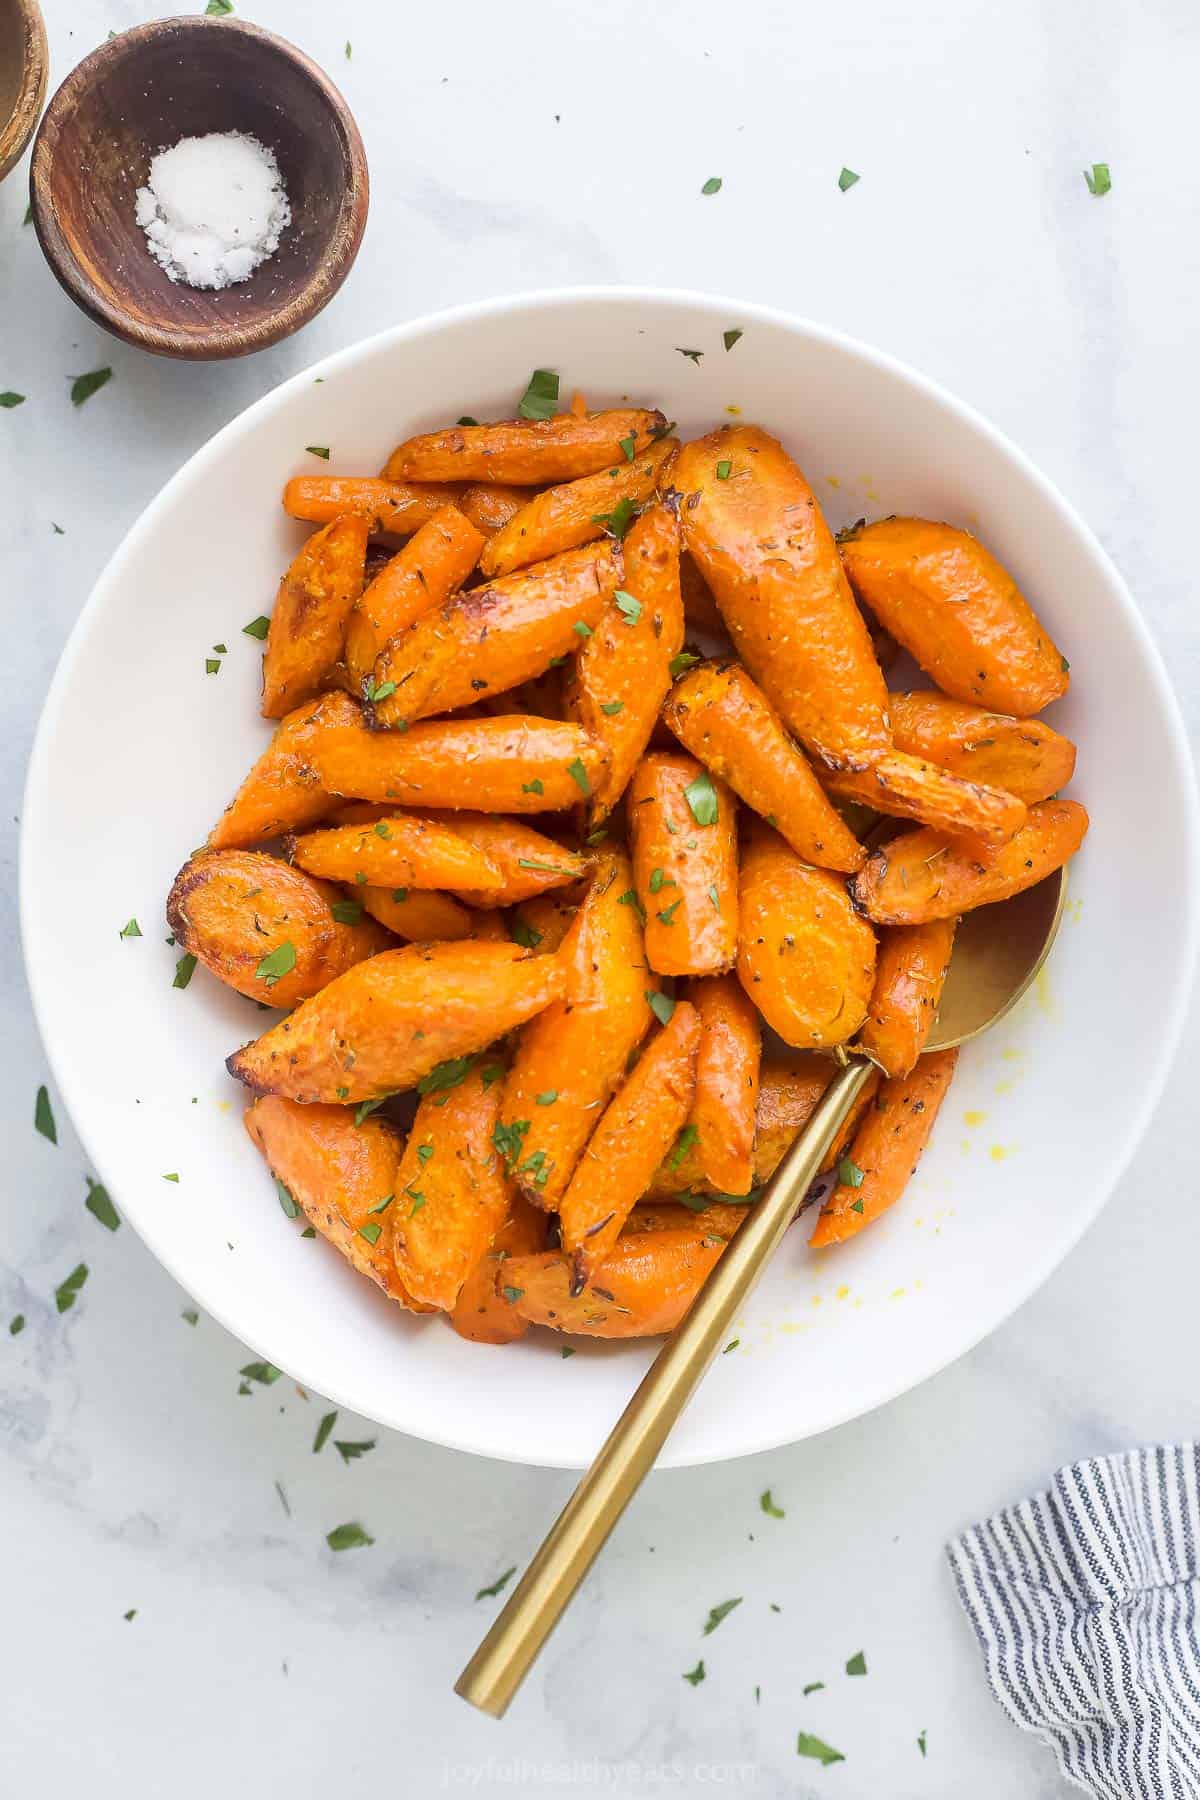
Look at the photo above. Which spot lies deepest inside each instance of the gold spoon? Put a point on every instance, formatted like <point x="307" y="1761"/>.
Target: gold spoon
<point x="998" y="952"/>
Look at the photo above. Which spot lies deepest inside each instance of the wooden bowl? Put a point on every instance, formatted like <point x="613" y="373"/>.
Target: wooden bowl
<point x="140" y="93"/>
<point x="23" y="65"/>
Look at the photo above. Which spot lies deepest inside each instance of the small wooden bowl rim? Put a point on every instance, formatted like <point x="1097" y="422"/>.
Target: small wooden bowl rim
<point x="223" y="340"/>
<point x="17" y="129"/>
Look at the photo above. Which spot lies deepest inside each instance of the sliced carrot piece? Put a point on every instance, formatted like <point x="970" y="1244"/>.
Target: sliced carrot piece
<point x="482" y="1313"/>
<point x="397" y="507"/>
<point x="399" y="851"/>
<point x="525" y="452"/>
<point x="543" y="922"/>
<point x="452" y="1195"/>
<point x="308" y="623"/>
<point x="577" y="512"/>
<point x="526" y="861"/>
<point x="725" y="1109"/>
<point x="922" y="875"/>
<point x="1022" y="756"/>
<point x="391" y="1021"/>
<point x="721" y="716"/>
<point x="431" y="567"/>
<point x="642" y="1120"/>
<point x="491" y="504"/>
<point x="417" y="914"/>
<point x="683" y="829"/>
<point x="909" y="977"/>
<point x="886" y="1149"/>
<point x="642" y="1289"/>
<point x="904" y="787"/>
<point x="283" y="792"/>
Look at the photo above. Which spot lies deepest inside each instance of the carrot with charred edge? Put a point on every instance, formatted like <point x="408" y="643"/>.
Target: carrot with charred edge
<point x="542" y="923"/>
<point x="268" y="930"/>
<point x="420" y="916"/>
<point x="283" y="792"/>
<point x="922" y="875"/>
<point x="492" y="638"/>
<point x="958" y="612"/>
<point x="451" y="1194"/>
<point x="722" y="1122"/>
<point x="570" y="1059"/>
<point x="561" y="518"/>
<point x="508" y="765"/>
<point x="623" y="672"/>
<point x="336" y="1172"/>
<point x="431" y="567"/>
<point x="642" y="1121"/>
<point x="805" y="957"/>
<point x="642" y="1289"/>
<point x="308" y="624"/>
<point x="384" y="1025"/>
<point x="683" y="830"/>
<point x="787" y="1094"/>
<point x="525" y="861"/>
<point x="490" y="505"/>
<point x="764" y="549"/>
<point x="725" y="719"/>
<point x="886" y="1149"/>
<point x="909" y="977"/>
<point x="906" y="788"/>
<point x="396" y="507"/>
<point x="399" y="851"/>
<point x="525" y="452"/>
<point x="1022" y="756"/>
<point x="481" y="1313"/>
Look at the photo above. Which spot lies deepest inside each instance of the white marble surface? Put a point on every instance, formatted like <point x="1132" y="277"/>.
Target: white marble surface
<point x="131" y="1473"/>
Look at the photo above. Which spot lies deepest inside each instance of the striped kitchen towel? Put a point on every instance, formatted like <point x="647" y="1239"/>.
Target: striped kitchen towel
<point x="1084" y="1601"/>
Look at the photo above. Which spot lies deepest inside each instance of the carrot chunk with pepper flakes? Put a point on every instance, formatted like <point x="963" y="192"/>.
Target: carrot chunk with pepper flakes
<point x="909" y="977"/>
<point x="431" y="567"/>
<point x="560" y="518"/>
<point x="283" y="792"/>
<point x="312" y="607"/>
<point x="525" y="452"/>
<point x="397" y="851"/>
<point x="397" y="507"/>
<point x="886" y="1150"/>
<point x="643" y="1287"/>
<point x="722" y="1122"/>
<point x="643" y="1119"/>
<point x="481" y="1312"/>
<point x="683" y="825"/>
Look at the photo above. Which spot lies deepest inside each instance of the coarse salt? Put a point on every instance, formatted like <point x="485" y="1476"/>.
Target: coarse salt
<point x="214" y="209"/>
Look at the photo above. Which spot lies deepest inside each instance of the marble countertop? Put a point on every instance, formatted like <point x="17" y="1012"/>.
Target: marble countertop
<point x="514" y="147"/>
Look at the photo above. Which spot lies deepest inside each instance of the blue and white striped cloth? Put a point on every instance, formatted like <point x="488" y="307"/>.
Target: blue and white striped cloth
<point x="1084" y="1601"/>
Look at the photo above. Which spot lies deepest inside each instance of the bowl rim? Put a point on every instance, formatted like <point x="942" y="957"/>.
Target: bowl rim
<point x="215" y="342"/>
<point x="18" y="127"/>
<point x="1051" y="1251"/>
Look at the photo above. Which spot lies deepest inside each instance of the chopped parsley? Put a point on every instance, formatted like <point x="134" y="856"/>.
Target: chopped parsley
<point x="921" y="1743"/>
<point x="130" y="930"/>
<point x="263" y="1372"/>
<point x="618" y="521"/>
<point x="693" y="356"/>
<point x="612" y="708"/>
<point x="629" y="898"/>
<point x="1099" y="181"/>
<point x="257" y="628"/>
<point x="276" y="963"/>
<point x="185" y="968"/>
<point x="548" y="1097"/>
<point x="729" y="338"/>
<point x="667" y="915"/>
<point x="540" y="399"/>
<point x="684" y="660"/>
<point x="807" y="1744"/>
<point x="532" y="787"/>
<point x="509" y="1140"/>
<point x="16" y="1325"/>
<point x="66" y="1291"/>
<point x="582" y="629"/>
<point x="579" y="776"/>
<point x="696" y="1675"/>
<point x="661" y="1005"/>
<point x="683" y="1143"/>
<point x="8" y="399"/>
<point x="849" y="1173"/>
<point x="712" y="185"/>
<point x="660" y="879"/>
<point x="100" y="1206"/>
<point x="382" y="828"/>
<point x="769" y="1507"/>
<point x="628" y="446"/>
<point x="378" y="690"/>
<point x="512" y="1294"/>
<point x="321" y="450"/>
<point x="566" y="1350"/>
<point x="190" y="1316"/>
<point x="629" y="608"/>
<point x="717" y="1613"/>
<point x="847" y="179"/>
<point x="715" y="898"/>
<point x="350" y="1449"/>
<point x="498" y="1586"/>
<point x="813" y="1687"/>
<point x="543" y="868"/>
<point x="84" y="386"/>
<point x="371" y="1232"/>
<point x="731" y="1345"/>
<point x="365" y="1108"/>
<point x="347" y="912"/>
<point x="323" y="1430"/>
<point x="43" y="1116"/>
<point x="351" y="1536"/>
<point x="724" y="468"/>
<point x="857" y="1664"/>
<point x="445" y="1075"/>
<point x="522" y="932"/>
<point x="701" y="797"/>
<point x="173" y="1178"/>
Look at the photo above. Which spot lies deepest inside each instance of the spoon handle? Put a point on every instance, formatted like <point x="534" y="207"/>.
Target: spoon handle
<point x="503" y="1659"/>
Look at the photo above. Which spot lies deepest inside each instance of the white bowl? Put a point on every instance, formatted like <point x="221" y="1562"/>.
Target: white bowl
<point x="138" y="751"/>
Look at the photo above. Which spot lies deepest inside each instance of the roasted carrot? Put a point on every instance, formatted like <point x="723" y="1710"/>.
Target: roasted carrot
<point x="481" y="1312"/>
<point x="451" y="1194"/>
<point x="268" y="930"/>
<point x="722" y="1122"/>
<point x="490" y="505"/>
<point x="431" y="567"/>
<point x="805" y="957"/>
<point x="490" y="928"/>
<point x="683" y="829"/>
<point x="492" y="638"/>
<point x="570" y="1059"/>
<point x="390" y="1022"/>
<point x="711" y="1217"/>
<point x="560" y="518"/>
<point x="417" y="914"/>
<point x="308" y="624"/>
<point x="886" y="1149"/>
<point x="788" y="1092"/>
<point x="922" y="875"/>
<point x="399" y="851"/>
<point x="958" y="612"/>
<point x="642" y="1289"/>
<point x="722" y="716"/>
<point x="909" y="977"/>
<point x="904" y="787"/>
<point x="336" y="1173"/>
<point x="283" y="792"/>
<point x="623" y="672"/>
<point x="641" y="1122"/>
<point x="525" y="861"/>
<point x="525" y="452"/>
<point x="543" y="922"/>
<point x="509" y="765"/>
<point x="764" y="549"/>
<point x="1023" y="756"/>
<point x="700" y="609"/>
<point x="396" y="507"/>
